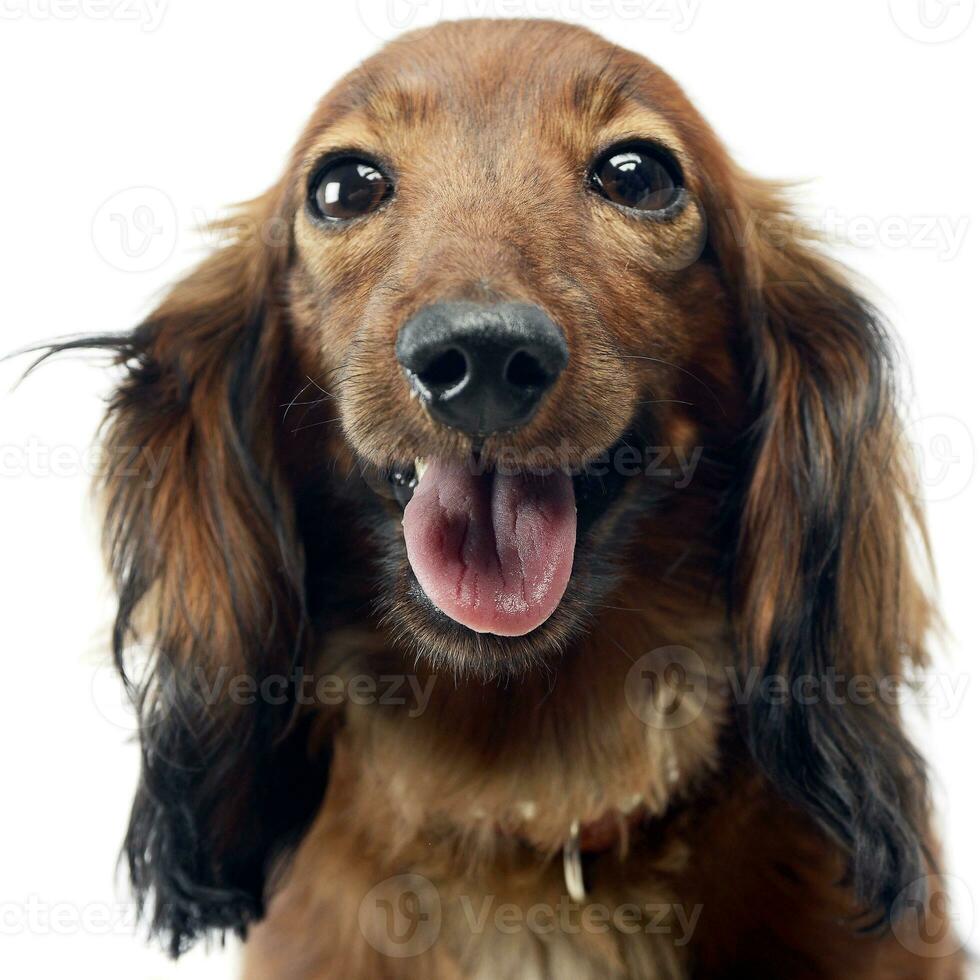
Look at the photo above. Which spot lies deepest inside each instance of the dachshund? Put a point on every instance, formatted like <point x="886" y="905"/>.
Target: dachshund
<point x="533" y="569"/>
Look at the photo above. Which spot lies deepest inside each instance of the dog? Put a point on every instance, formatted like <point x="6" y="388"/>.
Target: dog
<point x="533" y="553"/>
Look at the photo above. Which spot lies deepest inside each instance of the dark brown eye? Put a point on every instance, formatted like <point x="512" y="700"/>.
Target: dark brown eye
<point x="348" y="187"/>
<point x="640" y="176"/>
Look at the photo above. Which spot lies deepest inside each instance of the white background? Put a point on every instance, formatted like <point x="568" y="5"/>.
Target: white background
<point x="198" y="103"/>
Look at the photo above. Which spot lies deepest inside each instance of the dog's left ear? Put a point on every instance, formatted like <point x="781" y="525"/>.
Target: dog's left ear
<point x="823" y="593"/>
<point x="211" y="630"/>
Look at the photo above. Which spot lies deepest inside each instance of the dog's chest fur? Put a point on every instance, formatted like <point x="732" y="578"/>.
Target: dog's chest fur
<point x="438" y="850"/>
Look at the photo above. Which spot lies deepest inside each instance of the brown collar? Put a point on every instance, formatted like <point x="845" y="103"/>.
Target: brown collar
<point x="612" y="828"/>
<point x="596" y="837"/>
<point x="593" y="838"/>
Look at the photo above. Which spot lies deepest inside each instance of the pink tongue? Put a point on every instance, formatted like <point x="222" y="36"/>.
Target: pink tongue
<point x="493" y="552"/>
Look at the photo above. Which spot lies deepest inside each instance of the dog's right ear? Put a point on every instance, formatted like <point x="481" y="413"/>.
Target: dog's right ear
<point x="202" y="544"/>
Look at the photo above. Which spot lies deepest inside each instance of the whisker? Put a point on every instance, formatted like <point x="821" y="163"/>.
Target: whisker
<point x="310" y="406"/>
<point x="315" y="401"/>
<point x="293" y="402"/>
<point x="677" y="367"/>
<point x="316" y="385"/>
<point x="313" y="425"/>
<point x="612" y="639"/>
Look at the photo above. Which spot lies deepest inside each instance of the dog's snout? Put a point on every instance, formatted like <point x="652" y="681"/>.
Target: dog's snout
<point x="482" y="368"/>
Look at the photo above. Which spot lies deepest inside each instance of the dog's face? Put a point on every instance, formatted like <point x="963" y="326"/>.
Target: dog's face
<point x="499" y="277"/>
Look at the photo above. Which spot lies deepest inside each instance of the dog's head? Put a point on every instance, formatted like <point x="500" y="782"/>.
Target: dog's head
<point x="497" y="276"/>
<point x="454" y="372"/>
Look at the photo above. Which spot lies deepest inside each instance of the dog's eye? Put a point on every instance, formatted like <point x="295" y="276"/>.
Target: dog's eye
<point x="642" y="177"/>
<point x="348" y="187"/>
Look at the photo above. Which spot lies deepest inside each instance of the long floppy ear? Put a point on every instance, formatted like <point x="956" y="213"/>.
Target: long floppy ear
<point x="822" y="584"/>
<point x="201" y="538"/>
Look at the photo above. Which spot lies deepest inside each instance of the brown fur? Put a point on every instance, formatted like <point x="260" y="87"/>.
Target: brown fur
<point x="723" y="329"/>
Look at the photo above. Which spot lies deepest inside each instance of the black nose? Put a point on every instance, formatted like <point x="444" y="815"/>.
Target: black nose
<point x="482" y="369"/>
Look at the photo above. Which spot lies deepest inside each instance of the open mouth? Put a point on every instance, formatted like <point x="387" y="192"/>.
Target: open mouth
<point x="493" y="549"/>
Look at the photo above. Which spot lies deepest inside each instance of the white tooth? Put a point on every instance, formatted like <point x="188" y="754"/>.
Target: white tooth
<point x="420" y="465"/>
<point x="527" y="809"/>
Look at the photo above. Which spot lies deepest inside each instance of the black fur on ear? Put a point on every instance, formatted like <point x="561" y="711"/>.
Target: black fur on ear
<point x="822" y="583"/>
<point x="202" y="543"/>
